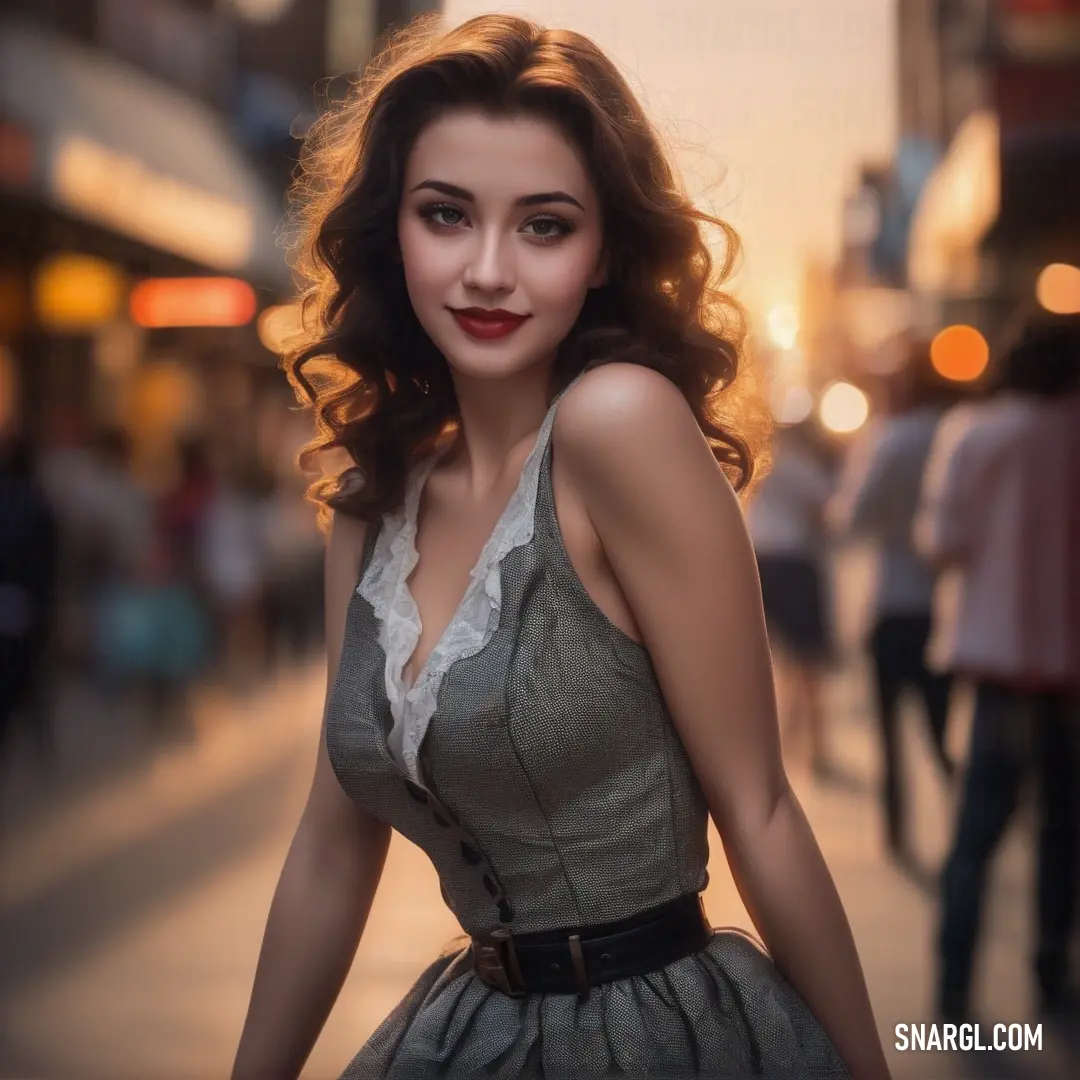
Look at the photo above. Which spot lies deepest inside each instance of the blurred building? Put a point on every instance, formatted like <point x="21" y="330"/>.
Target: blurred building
<point x="984" y="191"/>
<point x="145" y="149"/>
<point x="1004" y="203"/>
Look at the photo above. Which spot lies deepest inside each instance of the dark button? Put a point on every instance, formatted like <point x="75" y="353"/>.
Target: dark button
<point x="470" y="854"/>
<point x="490" y="885"/>
<point x="440" y="820"/>
<point x="605" y="958"/>
<point x="416" y="791"/>
<point x="505" y="914"/>
<point x="555" y="969"/>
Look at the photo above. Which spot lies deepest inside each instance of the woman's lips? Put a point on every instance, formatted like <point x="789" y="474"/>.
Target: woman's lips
<point x="488" y="327"/>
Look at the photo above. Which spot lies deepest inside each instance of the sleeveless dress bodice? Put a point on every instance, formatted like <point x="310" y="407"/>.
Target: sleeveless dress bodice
<point x="535" y="761"/>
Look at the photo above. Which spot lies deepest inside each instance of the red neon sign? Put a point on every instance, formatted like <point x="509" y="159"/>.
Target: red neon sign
<point x="211" y="301"/>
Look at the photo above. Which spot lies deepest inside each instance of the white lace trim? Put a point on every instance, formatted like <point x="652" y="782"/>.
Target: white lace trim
<point x="384" y="586"/>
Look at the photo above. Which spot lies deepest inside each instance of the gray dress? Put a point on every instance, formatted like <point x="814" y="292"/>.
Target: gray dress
<point x="536" y="762"/>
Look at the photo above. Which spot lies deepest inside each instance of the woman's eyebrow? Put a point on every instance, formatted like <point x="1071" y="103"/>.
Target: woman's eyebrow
<point x="456" y="192"/>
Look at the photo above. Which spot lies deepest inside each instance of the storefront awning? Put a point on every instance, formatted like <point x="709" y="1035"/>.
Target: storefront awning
<point x="126" y="151"/>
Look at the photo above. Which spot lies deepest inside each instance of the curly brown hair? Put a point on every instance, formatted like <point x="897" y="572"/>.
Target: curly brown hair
<point x="380" y="390"/>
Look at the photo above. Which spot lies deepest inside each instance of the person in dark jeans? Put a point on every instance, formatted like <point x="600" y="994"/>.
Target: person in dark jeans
<point x="1014" y="733"/>
<point x="1000" y="513"/>
<point x="898" y="644"/>
<point x="877" y="501"/>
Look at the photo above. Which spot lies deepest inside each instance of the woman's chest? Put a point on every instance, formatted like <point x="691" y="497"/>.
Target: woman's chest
<point x="449" y="542"/>
<point x="453" y="535"/>
<point x="550" y="690"/>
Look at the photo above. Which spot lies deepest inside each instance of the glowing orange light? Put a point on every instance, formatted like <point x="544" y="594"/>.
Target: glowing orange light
<point x="1058" y="289"/>
<point x="77" y="293"/>
<point x="211" y="301"/>
<point x="960" y="353"/>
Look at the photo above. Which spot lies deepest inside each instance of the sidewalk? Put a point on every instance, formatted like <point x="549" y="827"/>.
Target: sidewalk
<point x="894" y="914"/>
<point x="114" y="783"/>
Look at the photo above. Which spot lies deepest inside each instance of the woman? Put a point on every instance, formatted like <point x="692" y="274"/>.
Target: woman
<point x="546" y="676"/>
<point x="786" y="521"/>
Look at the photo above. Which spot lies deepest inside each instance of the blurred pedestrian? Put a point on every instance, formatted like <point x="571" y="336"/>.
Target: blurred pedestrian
<point x="1002" y="510"/>
<point x="877" y="500"/>
<point x="152" y="642"/>
<point x="106" y="524"/>
<point x="295" y="553"/>
<point x="28" y="570"/>
<point x="785" y="520"/>
<point x="121" y="512"/>
<point x="232" y="557"/>
<point x="183" y="507"/>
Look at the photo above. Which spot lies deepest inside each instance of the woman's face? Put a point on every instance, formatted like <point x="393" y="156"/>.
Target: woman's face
<point x="498" y="215"/>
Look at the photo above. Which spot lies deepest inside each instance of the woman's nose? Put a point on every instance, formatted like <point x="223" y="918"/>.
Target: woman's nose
<point x="491" y="265"/>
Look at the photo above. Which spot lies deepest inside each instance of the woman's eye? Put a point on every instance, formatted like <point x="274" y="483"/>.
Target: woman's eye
<point x="549" y="229"/>
<point x="449" y="216"/>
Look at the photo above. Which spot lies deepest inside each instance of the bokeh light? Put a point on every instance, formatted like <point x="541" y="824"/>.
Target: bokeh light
<point x="959" y="353"/>
<point x="161" y="400"/>
<point x="75" y="293"/>
<point x="783" y="322"/>
<point x="167" y="302"/>
<point x="791" y="404"/>
<point x="1058" y="289"/>
<point x="843" y="408"/>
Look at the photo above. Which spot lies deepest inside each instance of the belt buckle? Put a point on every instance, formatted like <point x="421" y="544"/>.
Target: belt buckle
<point x="581" y="977"/>
<point x="496" y="962"/>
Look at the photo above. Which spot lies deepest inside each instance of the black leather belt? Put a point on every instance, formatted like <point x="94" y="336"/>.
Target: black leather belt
<point x="572" y="961"/>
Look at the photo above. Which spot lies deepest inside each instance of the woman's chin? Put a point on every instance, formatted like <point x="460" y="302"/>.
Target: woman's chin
<point x="492" y="363"/>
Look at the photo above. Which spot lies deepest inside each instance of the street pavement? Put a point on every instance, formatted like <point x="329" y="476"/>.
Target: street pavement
<point x="133" y="908"/>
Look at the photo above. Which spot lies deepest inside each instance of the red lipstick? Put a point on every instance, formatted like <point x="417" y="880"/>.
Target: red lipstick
<point x="487" y="324"/>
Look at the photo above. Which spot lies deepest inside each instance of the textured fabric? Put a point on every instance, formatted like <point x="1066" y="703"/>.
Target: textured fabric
<point x="554" y="791"/>
<point x="385" y="586"/>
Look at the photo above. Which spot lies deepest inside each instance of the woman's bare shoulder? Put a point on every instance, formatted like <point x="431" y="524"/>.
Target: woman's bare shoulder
<point x="626" y="430"/>
<point x="619" y="392"/>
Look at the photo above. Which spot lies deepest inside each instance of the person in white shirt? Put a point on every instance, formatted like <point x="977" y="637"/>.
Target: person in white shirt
<point x="1001" y="511"/>
<point x="876" y="500"/>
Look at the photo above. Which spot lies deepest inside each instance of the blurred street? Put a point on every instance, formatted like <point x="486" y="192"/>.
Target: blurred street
<point x="133" y="908"/>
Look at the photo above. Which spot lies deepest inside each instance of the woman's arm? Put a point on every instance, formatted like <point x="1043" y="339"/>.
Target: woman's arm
<point x="673" y="531"/>
<point x="326" y="888"/>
